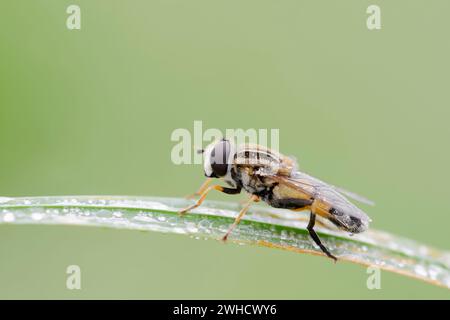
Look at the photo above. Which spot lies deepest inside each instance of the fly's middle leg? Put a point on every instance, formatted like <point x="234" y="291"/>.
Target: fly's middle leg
<point x="243" y="211"/>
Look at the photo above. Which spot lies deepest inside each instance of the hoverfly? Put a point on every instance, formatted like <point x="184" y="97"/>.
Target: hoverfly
<point x="273" y="178"/>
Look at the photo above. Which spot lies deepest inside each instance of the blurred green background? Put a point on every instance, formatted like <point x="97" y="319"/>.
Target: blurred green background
<point x="91" y="111"/>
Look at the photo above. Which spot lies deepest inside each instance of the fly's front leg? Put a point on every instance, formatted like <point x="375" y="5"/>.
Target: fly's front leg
<point x="205" y="193"/>
<point x="240" y="215"/>
<point x="200" y="190"/>
<point x="315" y="237"/>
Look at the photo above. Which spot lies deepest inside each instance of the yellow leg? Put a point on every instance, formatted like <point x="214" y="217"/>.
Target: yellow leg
<point x="202" y="198"/>
<point x="240" y="215"/>
<point x="201" y="189"/>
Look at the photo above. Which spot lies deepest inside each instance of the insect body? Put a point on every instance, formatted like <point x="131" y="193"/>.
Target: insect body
<point x="273" y="178"/>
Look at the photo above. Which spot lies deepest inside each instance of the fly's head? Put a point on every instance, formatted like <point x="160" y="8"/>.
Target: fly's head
<point x="218" y="159"/>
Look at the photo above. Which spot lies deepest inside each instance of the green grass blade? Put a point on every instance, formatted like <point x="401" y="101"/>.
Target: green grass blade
<point x="263" y="226"/>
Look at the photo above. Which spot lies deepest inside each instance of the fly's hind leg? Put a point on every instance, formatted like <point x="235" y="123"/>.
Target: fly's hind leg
<point x="315" y="237"/>
<point x="205" y="193"/>
<point x="303" y="204"/>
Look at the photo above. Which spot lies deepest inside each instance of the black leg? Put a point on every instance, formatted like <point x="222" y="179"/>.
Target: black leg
<point x="315" y="237"/>
<point x="231" y="190"/>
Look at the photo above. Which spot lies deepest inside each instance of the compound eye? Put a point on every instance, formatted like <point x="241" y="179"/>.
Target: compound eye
<point x="219" y="158"/>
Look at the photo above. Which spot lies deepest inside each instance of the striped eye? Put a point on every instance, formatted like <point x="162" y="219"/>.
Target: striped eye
<point x="219" y="158"/>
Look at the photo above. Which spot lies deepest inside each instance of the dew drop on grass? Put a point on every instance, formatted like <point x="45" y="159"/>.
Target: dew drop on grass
<point x="161" y="218"/>
<point x="9" y="217"/>
<point x="101" y="212"/>
<point x="36" y="216"/>
<point x="172" y="221"/>
<point x="117" y="214"/>
<point x="191" y="228"/>
<point x="421" y="270"/>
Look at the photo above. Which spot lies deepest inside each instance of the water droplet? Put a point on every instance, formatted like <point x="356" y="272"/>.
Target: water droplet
<point x="172" y="221"/>
<point x="4" y="199"/>
<point x="205" y="224"/>
<point x="421" y="270"/>
<point x="191" y="228"/>
<point x="9" y="217"/>
<point x="37" y="216"/>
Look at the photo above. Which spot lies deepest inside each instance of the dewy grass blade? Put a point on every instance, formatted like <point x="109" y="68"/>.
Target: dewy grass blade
<point x="263" y="226"/>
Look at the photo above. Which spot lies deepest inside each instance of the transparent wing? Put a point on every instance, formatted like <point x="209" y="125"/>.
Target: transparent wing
<point x="354" y="196"/>
<point x="316" y="182"/>
<point x="346" y="212"/>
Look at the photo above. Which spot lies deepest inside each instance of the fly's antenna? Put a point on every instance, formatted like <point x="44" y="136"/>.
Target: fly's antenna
<point x="198" y="150"/>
